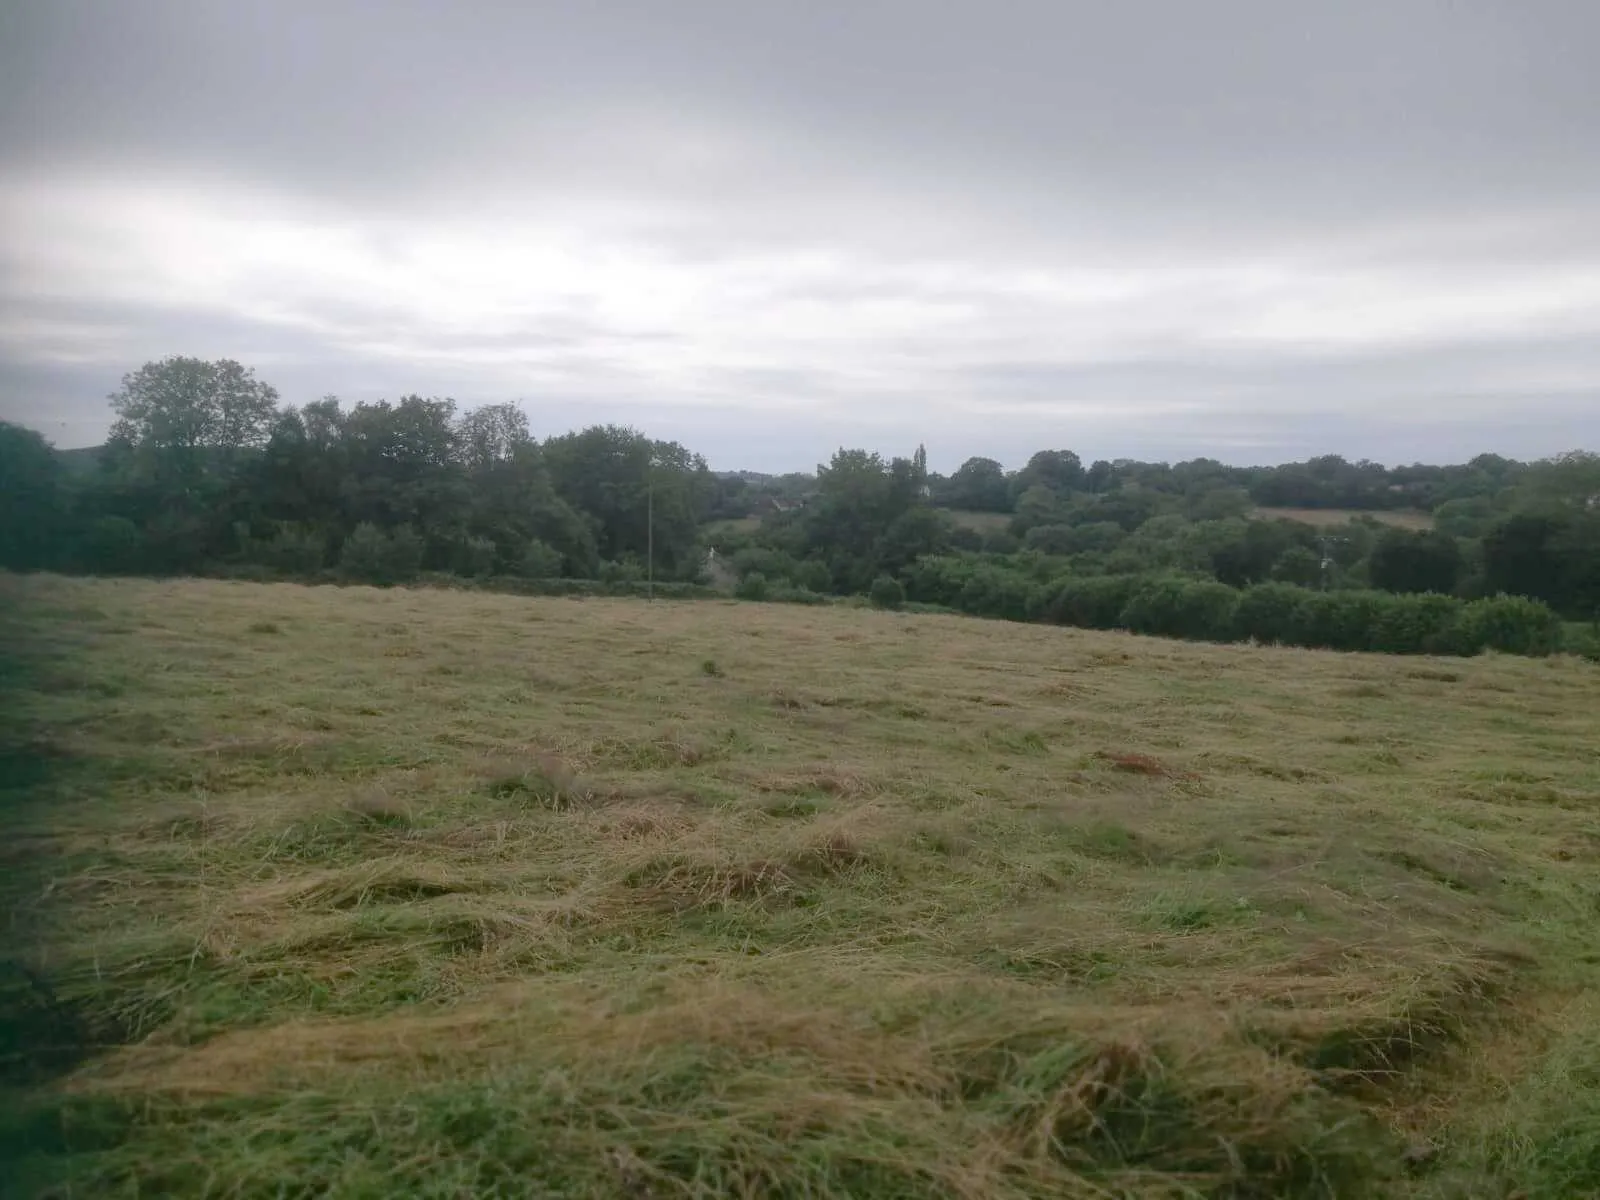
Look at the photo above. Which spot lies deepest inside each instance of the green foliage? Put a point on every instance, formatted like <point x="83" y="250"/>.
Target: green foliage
<point x="1510" y="624"/>
<point x="1299" y="565"/>
<point x="1053" y="539"/>
<point x="1552" y="554"/>
<point x="786" y="594"/>
<point x="535" y="560"/>
<point x="1092" y="602"/>
<point x="753" y="586"/>
<point x="372" y="555"/>
<point x="179" y="406"/>
<point x="1418" y="624"/>
<point x="205" y="474"/>
<point x="31" y="499"/>
<point x="812" y="576"/>
<point x="887" y="592"/>
<point x="1403" y="561"/>
<point x="1270" y="613"/>
<point x="473" y="556"/>
<point x="1058" y="471"/>
<point x="1196" y="609"/>
<point x="630" y="485"/>
<point x="979" y="485"/>
<point x="291" y="551"/>
<point x="1337" y="620"/>
<point x="870" y="516"/>
<point x="112" y="546"/>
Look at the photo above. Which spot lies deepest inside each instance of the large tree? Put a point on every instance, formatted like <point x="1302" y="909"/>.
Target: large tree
<point x="31" y="498"/>
<point x="1404" y="561"/>
<point x="979" y="485"/>
<point x="182" y="407"/>
<point x="645" y="496"/>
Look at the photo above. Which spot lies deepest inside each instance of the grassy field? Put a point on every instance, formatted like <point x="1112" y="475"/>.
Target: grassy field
<point x="355" y="893"/>
<point x="1405" y="518"/>
<point x="983" y="522"/>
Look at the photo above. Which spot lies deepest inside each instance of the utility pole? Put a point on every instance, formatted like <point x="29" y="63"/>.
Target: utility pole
<point x="650" y="529"/>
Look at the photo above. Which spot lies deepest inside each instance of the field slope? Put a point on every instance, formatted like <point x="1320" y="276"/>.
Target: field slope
<point x="417" y="893"/>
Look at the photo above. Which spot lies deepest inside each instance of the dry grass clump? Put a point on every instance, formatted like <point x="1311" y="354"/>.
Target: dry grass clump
<point x="315" y="918"/>
<point x="375" y="806"/>
<point x="544" y="779"/>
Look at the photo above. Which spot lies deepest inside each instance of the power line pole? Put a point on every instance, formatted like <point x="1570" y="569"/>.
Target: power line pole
<point x="650" y="530"/>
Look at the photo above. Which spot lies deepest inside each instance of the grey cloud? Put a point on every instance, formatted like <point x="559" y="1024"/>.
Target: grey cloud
<point x="1429" y="147"/>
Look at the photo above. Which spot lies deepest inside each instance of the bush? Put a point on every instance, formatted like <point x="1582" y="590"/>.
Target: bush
<point x="1200" y="610"/>
<point x="999" y="541"/>
<point x="752" y="587"/>
<point x="1269" y="612"/>
<point x="1338" y="620"/>
<point x="113" y="546"/>
<point x="1510" y="624"/>
<point x="1052" y="539"/>
<point x="995" y="592"/>
<point x="1092" y="601"/>
<point x="762" y="560"/>
<point x="887" y="592"/>
<point x="813" y="576"/>
<point x="373" y="556"/>
<point x="796" y="595"/>
<point x="536" y="560"/>
<point x="473" y="557"/>
<point x="1418" y="623"/>
<point x="939" y="578"/>
<point x="292" y="551"/>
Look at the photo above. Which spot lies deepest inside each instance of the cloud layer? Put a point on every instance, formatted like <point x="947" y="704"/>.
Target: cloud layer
<point x="1242" y="229"/>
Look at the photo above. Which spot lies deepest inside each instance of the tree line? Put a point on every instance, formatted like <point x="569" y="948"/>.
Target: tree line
<point x="1497" y="527"/>
<point x="205" y="471"/>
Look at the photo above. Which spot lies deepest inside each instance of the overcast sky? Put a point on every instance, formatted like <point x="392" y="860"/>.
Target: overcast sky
<point x="1249" y="229"/>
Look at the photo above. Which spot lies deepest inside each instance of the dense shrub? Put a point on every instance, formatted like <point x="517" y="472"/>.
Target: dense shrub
<point x="887" y="592"/>
<point x="473" y="557"/>
<point x="1337" y="620"/>
<point x="536" y="560"/>
<point x="1510" y="624"/>
<point x="1270" y="612"/>
<point x="768" y="563"/>
<point x="753" y="586"/>
<point x="938" y="579"/>
<point x="373" y="556"/>
<point x="813" y="576"/>
<point x="1000" y="541"/>
<point x="1092" y="601"/>
<point x="291" y="551"/>
<point x="796" y="595"/>
<point x="1418" y="623"/>
<point x="621" y="570"/>
<point x="995" y="592"/>
<point x="114" y="546"/>
<point x="1052" y="539"/>
<point x="1197" y="609"/>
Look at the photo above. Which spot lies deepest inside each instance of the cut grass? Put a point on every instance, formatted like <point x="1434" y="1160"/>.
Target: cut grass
<point x="885" y="906"/>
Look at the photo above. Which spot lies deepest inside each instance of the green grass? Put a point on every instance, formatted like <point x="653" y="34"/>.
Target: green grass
<point x="1402" y="518"/>
<point x="983" y="522"/>
<point x="348" y="892"/>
